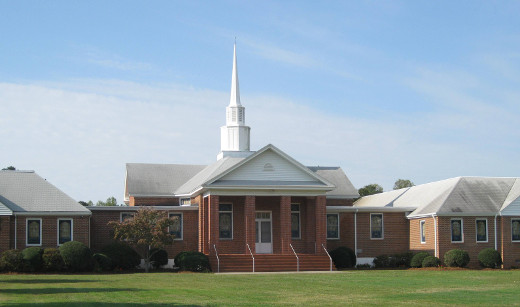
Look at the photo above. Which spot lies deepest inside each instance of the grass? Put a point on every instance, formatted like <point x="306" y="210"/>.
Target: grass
<point x="370" y="287"/>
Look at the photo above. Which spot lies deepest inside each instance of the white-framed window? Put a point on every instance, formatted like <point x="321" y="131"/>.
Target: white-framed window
<point x="225" y="221"/>
<point x="185" y="201"/>
<point x="176" y="228"/>
<point x="481" y="227"/>
<point x="34" y="232"/>
<point x="422" y="231"/>
<point x="295" y="221"/>
<point x="376" y="226"/>
<point x="457" y="231"/>
<point x="332" y="226"/>
<point x="65" y="230"/>
<point x="126" y="215"/>
<point x="515" y="230"/>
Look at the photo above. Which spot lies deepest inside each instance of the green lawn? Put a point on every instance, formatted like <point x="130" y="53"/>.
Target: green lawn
<point x="370" y="287"/>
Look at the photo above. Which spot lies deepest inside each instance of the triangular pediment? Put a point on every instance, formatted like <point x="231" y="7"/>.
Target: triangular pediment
<point x="270" y="167"/>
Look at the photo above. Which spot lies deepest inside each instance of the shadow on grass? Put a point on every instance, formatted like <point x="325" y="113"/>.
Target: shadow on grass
<point x="45" y="281"/>
<point x="26" y="291"/>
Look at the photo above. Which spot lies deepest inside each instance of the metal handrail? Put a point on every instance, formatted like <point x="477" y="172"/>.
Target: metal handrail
<point x="330" y="259"/>
<point x="218" y="259"/>
<point x="251" y="256"/>
<point x="297" y="259"/>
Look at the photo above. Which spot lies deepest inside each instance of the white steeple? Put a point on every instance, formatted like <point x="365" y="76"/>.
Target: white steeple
<point x="234" y="136"/>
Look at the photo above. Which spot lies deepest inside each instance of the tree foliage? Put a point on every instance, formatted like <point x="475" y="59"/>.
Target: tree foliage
<point x="147" y="230"/>
<point x="111" y="201"/>
<point x="370" y="189"/>
<point x="403" y="183"/>
<point x="9" y="168"/>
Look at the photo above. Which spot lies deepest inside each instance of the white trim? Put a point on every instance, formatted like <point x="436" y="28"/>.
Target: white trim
<point x="512" y="230"/>
<point x="436" y="235"/>
<point x="369" y="209"/>
<point x="382" y="226"/>
<point x="260" y="225"/>
<point x="121" y="215"/>
<point x="53" y="213"/>
<point x="71" y="229"/>
<point x="355" y="234"/>
<point x="326" y="225"/>
<point x="232" y="224"/>
<point x="476" y="230"/>
<point x="299" y="221"/>
<point x="182" y="224"/>
<point x="422" y="224"/>
<point x="461" y="230"/>
<point x="180" y="201"/>
<point x="136" y="208"/>
<point x="27" y="230"/>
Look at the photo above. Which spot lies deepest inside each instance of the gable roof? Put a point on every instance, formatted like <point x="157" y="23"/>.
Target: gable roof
<point x="454" y="196"/>
<point x="336" y="176"/>
<point x="511" y="205"/>
<point x="25" y="192"/>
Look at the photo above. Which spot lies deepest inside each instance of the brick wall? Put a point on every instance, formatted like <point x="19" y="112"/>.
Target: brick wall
<point x="469" y="243"/>
<point x="5" y="233"/>
<point x="396" y="235"/>
<point x="346" y="232"/>
<point x="49" y="227"/>
<point x="153" y="201"/>
<point x="340" y="202"/>
<point x="510" y="250"/>
<point x="415" y="235"/>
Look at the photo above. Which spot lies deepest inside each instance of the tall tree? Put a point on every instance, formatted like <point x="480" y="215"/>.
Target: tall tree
<point x="9" y="168"/>
<point x="147" y="230"/>
<point x="111" y="201"/>
<point x="370" y="189"/>
<point x="403" y="183"/>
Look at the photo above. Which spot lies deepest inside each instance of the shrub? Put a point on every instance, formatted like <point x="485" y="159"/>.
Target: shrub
<point x="385" y="261"/>
<point x="103" y="262"/>
<point x="489" y="258"/>
<point x="431" y="262"/>
<point x="160" y="257"/>
<point x="403" y="259"/>
<point x="122" y="256"/>
<point x="456" y="258"/>
<point x="11" y="260"/>
<point x="76" y="256"/>
<point x="192" y="261"/>
<point x="52" y="260"/>
<point x="343" y="257"/>
<point x="417" y="259"/>
<point x="32" y="259"/>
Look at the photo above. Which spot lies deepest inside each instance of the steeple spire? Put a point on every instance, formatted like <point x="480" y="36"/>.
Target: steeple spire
<point x="235" y="90"/>
<point x="234" y="136"/>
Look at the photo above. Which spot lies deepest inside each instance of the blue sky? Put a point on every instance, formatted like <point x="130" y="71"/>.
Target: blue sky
<point x="422" y="90"/>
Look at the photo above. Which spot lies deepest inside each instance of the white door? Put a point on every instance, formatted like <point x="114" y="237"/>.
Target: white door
<point x="264" y="233"/>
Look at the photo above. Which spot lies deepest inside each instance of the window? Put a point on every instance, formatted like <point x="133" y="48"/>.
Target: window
<point x="456" y="231"/>
<point x="176" y="228"/>
<point x="482" y="231"/>
<point x="515" y="230"/>
<point x="333" y="226"/>
<point x="126" y="215"/>
<point x="225" y="221"/>
<point x="295" y="221"/>
<point x="34" y="231"/>
<point x="64" y="231"/>
<point x="185" y="201"/>
<point x="423" y="234"/>
<point x="376" y="226"/>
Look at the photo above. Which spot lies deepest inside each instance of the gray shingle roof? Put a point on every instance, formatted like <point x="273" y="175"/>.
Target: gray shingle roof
<point x="26" y="191"/>
<point x="336" y="176"/>
<point x="454" y="196"/>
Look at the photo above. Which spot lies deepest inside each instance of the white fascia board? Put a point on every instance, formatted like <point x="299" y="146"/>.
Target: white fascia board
<point x="342" y="196"/>
<point x="136" y="208"/>
<point x="263" y="192"/>
<point x="52" y="213"/>
<point x="452" y="214"/>
<point x="154" y="195"/>
<point x="366" y="209"/>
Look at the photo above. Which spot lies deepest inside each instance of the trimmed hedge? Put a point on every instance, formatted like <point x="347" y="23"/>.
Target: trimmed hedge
<point x="456" y="258"/>
<point x="123" y="256"/>
<point x="192" y="261"/>
<point x="431" y="262"/>
<point x="52" y="260"/>
<point x="103" y="262"/>
<point x="418" y="259"/>
<point x="343" y="257"/>
<point x="490" y="258"/>
<point x="393" y="261"/>
<point x="11" y="261"/>
<point x="32" y="259"/>
<point x="76" y="256"/>
<point x="160" y="257"/>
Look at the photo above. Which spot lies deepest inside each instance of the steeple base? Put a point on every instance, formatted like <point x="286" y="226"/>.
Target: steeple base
<point x="234" y="154"/>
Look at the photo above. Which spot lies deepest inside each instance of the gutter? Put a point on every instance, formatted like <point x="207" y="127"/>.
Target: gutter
<point x="52" y="213"/>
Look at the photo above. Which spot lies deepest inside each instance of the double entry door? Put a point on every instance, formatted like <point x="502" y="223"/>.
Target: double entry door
<point x="264" y="232"/>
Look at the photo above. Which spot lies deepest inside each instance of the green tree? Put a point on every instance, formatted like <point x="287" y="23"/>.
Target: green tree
<point x="147" y="232"/>
<point x="9" y="168"/>
<point x="111" y="201"/>
<point x="403" y="183"/>
<point x="370" y="189"/>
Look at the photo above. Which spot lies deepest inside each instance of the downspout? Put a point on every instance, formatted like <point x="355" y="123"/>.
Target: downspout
<point x="435" y="231"/>
<point x="496" y="244"/>
<point x="355" y="232"/>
